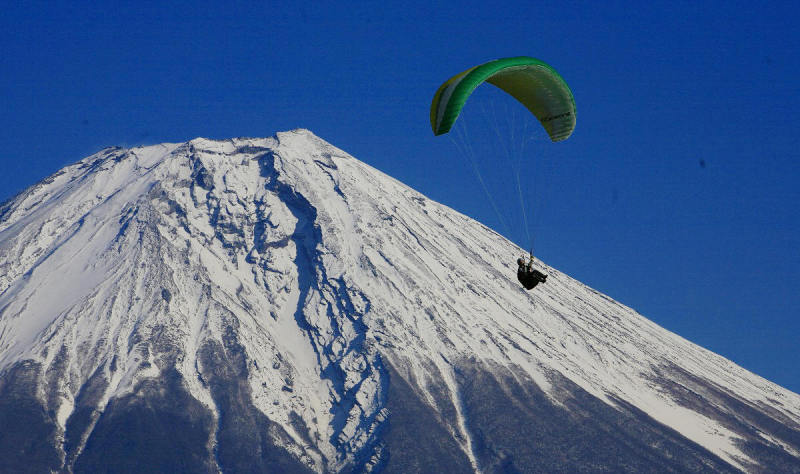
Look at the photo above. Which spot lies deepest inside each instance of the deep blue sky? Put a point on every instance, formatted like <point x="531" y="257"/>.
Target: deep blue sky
<point x="626" y="205"/>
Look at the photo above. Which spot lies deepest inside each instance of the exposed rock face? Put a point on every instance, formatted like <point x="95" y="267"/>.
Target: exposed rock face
<point x="275" y="305"/>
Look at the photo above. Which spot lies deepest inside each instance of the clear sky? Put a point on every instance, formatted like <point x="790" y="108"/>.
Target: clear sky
<point x="678" y="194"/>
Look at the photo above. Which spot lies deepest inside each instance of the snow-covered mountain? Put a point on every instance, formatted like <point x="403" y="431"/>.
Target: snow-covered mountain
<point x="275" y="305"/>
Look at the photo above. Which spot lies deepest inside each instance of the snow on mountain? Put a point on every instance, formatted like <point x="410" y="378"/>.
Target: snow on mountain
<point x="276" y="304"/>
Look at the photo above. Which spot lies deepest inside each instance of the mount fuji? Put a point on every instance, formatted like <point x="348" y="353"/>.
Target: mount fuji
<point x="276" y="305"/>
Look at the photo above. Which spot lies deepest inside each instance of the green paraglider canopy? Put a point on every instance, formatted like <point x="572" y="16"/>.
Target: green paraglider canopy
<point x="532" y="82"/>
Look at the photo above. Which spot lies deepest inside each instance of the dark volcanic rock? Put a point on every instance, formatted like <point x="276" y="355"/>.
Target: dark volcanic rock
<point x="28" y="434"/>
<point x="157" y="428"/>
<point x="417" y="438"/>
<point x="245" y="436"/>
<point x="517" y="428"/>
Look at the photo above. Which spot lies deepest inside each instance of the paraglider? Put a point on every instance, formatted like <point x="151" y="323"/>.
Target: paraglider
<point x="527" y="275"/>
<point x="533" y="83"/>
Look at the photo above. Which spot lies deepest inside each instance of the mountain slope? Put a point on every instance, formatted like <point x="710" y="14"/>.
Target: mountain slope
<point x="277" y="305"/>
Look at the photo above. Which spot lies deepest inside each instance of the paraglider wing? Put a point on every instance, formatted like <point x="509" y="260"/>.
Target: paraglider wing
<point x="532" y="82"/>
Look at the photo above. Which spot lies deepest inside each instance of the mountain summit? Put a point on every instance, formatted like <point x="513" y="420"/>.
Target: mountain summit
<point x="275" y="305"/>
